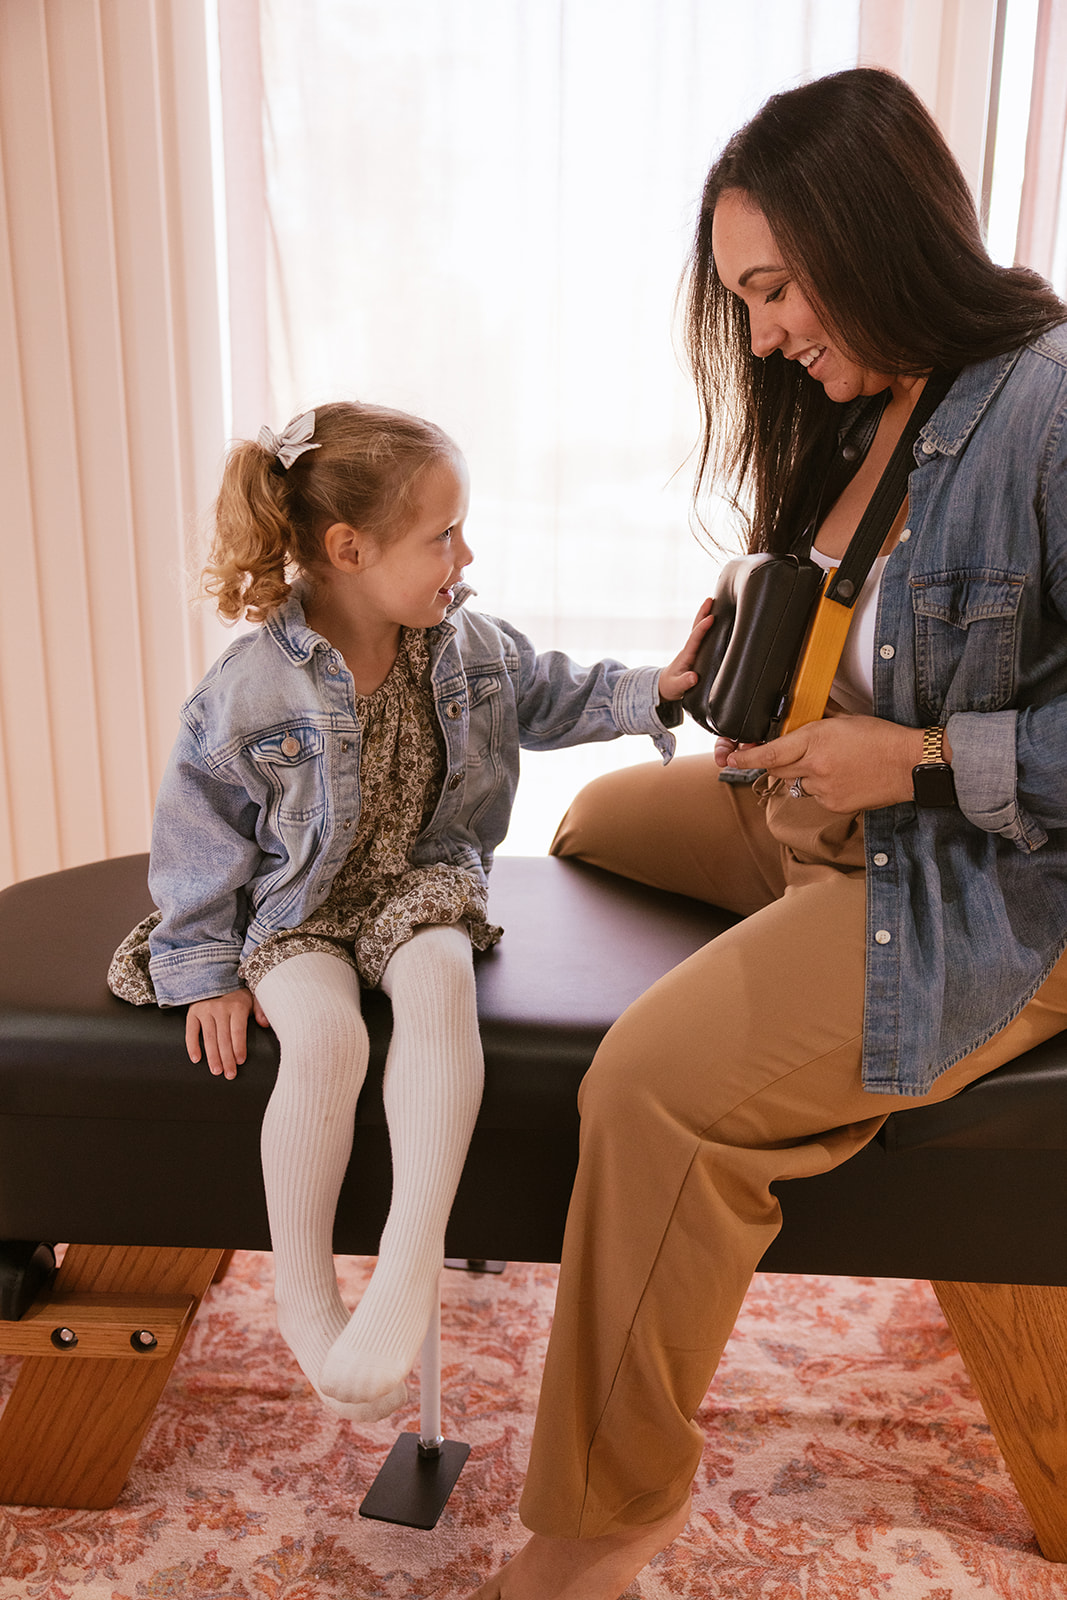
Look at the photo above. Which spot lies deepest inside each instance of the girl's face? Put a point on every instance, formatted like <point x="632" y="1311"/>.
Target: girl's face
<point x="749" y="264"/>
<point x="411" y="579"/>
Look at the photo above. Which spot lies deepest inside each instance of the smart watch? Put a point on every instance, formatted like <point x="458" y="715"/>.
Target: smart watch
<point x="932" y="780"/>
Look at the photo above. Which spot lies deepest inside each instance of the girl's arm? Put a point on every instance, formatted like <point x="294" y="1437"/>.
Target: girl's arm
<point x="204" y="855"/>
<point x="560" y="703"/>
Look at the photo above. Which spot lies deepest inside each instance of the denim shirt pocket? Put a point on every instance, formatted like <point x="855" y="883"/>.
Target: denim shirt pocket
<point x="965" y="640"/>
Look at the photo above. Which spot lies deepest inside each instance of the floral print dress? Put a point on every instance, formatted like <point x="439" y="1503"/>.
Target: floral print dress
<point x="378" y="898"/>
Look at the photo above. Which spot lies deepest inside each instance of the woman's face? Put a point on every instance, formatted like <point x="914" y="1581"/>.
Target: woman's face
<point x="750" y="265"/>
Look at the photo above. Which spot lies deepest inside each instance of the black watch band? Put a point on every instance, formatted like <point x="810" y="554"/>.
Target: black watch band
<point x="932" y="780"/>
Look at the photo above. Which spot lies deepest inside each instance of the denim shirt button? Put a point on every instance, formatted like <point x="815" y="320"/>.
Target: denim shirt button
<point x="886" y="652"/>
<point x="881" y="859"/>
<point x="454" y="710"/>
<point x="883" y="936"/>
<point x="905" y="535"/>
<point x="290" y="746"/>
<point x="929" y="449"/>
<point x="347" y="823"/>
<point x="333" y="669"/>
<point x="455" y="780"/>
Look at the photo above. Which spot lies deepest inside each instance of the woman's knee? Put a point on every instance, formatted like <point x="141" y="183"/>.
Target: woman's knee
<point x="620" y="1083"/>
<point x="613" y="812"/>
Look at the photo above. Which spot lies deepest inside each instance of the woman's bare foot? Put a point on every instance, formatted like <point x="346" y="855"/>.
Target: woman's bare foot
<point x="581" y="1569"/>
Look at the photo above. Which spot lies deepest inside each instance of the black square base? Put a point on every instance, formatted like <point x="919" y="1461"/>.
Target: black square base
<point x="412" y="1488"/>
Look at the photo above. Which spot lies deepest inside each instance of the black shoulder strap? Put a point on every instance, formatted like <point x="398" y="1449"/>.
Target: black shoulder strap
<point x="887" y="498"/>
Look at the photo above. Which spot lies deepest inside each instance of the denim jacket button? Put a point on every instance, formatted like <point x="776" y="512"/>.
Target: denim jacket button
<point x="883" y="936"/>
<point x="905" y="535"/>
<point x="929" y="449"/>
<point x="887" y="652"/>
<point x="455" y="780"/>
<point x="333" y="669"/>
<point x="454" y="710"/>
<point x="881" y="859"/>
<point x="290" y="746"/>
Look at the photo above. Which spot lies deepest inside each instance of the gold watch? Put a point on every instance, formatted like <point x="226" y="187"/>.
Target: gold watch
<point x="932" y="780"/>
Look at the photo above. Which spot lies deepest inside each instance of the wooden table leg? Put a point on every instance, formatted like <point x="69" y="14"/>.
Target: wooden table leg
<point x="73" y="1423"/>
<point x="1013" y="1340"/>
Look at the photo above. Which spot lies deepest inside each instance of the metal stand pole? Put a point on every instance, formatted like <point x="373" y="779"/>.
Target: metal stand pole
<point x="421" y="1469"/>
<point x="430" y="1438"/>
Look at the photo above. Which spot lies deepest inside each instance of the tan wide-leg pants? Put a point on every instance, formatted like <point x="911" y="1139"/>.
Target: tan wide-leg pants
<point x="740" y="1067"/>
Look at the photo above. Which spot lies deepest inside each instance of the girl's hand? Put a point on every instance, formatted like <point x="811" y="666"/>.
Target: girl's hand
<point x="223" y="1024"/>
<point x="847" y="763"/>
<point x="679" y="676"/>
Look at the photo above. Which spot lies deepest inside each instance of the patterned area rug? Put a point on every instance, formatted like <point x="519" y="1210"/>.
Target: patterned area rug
<point x="846" y="1458"/>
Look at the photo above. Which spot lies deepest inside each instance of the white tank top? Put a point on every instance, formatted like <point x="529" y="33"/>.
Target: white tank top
<point x="853" y="688"/>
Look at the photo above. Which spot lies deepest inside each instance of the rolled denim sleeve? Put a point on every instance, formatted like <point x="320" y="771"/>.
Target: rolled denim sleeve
<point x="204" y="853"/>
<point x="985" y="766"/>
<point x="637" y="708"/>
<point x="1009" y="768"/>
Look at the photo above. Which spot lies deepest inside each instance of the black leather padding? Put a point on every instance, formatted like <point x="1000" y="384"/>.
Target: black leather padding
<point x="109" y="1134"/>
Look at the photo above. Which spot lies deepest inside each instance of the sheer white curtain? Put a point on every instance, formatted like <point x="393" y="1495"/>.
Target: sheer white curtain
<point x="480" y="211"/>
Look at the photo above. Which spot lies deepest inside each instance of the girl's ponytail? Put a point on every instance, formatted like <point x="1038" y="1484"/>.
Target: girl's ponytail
<point x="252" y="551"/>
<point x="343" y="462"/>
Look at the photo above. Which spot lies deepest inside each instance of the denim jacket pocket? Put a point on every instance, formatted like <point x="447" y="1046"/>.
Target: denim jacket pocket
<point x="965" y="640"/>
<point x="483" y="691"/>
<point x="291" y="761"/>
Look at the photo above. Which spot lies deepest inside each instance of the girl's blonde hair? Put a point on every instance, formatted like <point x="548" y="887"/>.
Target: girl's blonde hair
<point x="269" y="520"/>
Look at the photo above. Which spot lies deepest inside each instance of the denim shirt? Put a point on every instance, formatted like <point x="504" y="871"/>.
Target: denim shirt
<point x="260" y="800"/>
<point x="967" y="908"/>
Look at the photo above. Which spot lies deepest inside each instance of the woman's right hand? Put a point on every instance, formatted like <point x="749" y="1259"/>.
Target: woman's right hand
<point x="222" y="1024"/>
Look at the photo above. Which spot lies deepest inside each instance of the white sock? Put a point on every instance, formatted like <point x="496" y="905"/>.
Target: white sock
<point x="433" y="1088"/>
<point x="312" y="1002"/>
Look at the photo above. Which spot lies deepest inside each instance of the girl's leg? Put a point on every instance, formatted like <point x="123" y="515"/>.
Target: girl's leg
<point x="312" y="1003"/>
<point x="433" y="1088"/>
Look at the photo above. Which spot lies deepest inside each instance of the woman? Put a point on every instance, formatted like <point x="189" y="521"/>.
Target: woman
<point x="891" y="951"/>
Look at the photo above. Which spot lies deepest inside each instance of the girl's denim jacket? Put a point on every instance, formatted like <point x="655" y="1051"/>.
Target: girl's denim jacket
<point x="260" y="799"/>
<point x="967" y="909"/>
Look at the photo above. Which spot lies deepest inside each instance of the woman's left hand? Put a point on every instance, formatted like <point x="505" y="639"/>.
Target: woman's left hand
<point x="847" y="763"/>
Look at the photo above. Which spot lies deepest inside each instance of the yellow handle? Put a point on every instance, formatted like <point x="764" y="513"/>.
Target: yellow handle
<point x="818" y="662"/>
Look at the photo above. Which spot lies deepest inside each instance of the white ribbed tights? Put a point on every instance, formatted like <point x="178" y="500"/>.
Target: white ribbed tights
<point x="432" y="1088"/>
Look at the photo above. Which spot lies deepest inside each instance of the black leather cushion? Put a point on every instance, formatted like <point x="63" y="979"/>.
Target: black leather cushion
<point x="106" y="1124"/>
<point x="108" y="1134"/>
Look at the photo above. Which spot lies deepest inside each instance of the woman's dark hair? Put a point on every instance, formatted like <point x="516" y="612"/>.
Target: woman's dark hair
<point x="876" y="224"/>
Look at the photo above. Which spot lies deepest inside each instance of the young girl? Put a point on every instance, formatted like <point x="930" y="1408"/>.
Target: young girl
<point x="327" y="819"/>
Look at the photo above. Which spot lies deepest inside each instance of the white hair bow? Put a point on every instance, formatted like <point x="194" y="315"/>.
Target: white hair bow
<point x="293" y="440"/>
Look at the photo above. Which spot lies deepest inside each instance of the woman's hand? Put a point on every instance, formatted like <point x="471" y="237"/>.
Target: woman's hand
<point x="847" y="763"/>
<point x="222" y="1023"/>
<point x="679" y="676"/>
